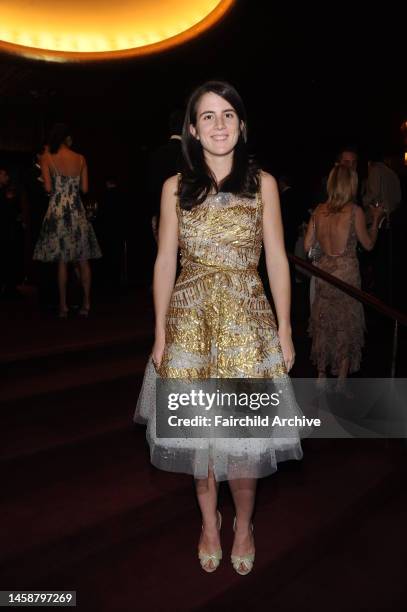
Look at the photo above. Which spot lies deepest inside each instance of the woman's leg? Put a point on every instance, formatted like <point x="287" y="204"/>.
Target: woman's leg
<point x="86" y="280"/>
<point x="62" y="279"/>
<point x="343" y="368"/>
<point x="77" y="270"/>
<point x="244" y="495"/>
<point x="342" y="378"/>
<point x="207" y="494"/>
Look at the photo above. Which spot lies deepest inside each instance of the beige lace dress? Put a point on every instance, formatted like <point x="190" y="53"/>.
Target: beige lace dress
<point x="337" y="320"/>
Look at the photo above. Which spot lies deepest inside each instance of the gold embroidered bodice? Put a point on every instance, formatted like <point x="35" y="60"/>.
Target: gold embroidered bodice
<point x="219" y="322"/>
<point x="224" y="232"/>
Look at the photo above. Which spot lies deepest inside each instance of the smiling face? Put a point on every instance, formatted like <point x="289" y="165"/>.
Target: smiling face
<point x="217" y="125"/>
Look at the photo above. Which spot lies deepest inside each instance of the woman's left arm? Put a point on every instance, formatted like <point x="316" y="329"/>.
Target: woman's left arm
<point x="84" y="176"/>
<point x="277" y="264"/>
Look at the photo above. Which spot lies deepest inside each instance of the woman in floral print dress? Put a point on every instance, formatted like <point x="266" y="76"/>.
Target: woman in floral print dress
<point x="66" y="234"/>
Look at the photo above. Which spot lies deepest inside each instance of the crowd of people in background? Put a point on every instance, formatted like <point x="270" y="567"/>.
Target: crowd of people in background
<point x="337" y="322"/>
<point x="47" y="223"/>
<point x="377" y="185"/>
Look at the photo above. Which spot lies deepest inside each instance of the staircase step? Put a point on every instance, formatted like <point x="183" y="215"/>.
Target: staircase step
<point x="62" y="493"/>
<point x="365" y="570"/>
<point x="27" y="333"/>
<point x="59" y="372"/>
<point x="297" y="508"/>
<point x="73" y="345"/>
<point x="316" y="531"/>
<point x="35" y="424"/>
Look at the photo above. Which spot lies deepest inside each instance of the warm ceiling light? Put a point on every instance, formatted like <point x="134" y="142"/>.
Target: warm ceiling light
<point x="65" y="30"/>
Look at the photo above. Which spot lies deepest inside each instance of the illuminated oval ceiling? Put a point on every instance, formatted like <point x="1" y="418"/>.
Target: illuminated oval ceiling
<point x="64" y="30"/>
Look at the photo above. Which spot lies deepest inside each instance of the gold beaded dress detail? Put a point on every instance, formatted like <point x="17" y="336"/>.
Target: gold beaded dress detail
<point x="219" y="325"/>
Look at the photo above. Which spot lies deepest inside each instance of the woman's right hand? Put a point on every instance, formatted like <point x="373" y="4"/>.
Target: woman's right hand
<point x="158" y="351"/>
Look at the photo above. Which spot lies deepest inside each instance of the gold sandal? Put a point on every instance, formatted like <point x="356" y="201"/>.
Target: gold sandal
<point x="245" y="560"/>
<point x="215" y="557"/>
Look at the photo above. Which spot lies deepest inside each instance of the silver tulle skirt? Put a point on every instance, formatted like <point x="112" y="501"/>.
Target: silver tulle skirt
<point x="229" y="458"/>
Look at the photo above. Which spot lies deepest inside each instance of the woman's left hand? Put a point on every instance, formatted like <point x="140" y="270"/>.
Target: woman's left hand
<point x="287" y="348"/>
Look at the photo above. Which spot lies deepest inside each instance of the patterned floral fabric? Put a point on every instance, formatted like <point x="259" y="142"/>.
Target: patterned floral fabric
<point x="219" y="325"/>
<point x="66" y="235"/>
<point x="337" y="321"/>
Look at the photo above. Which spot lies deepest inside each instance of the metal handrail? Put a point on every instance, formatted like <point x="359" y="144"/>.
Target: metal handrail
<point x="358" y="294"/>
<point x="361" y="296"/>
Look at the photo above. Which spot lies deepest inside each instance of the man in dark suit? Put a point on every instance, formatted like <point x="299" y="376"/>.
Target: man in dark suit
<point x="291" y="212"/>
<point x="383" y="188"/>
<point x="347" y="156"/>
<point x="110" y="226"/>
<point x="165" y="162"/>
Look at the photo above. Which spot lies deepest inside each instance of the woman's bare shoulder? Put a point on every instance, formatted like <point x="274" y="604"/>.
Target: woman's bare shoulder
<point x="267" y="179"/>
<point x="348" y="209"/>
<point x="74" y="154"/>
<point x="169" y="193"/>
<point x="320" y="209"/>
<point x="268" y="188"/>
<point x="46" y="158"/>
<point x="171" y="184"/>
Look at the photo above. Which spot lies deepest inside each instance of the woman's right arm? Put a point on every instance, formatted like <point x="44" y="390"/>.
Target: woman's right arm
<point x="367" y="237"/>
<point x="45" y="173"/>
<point x="165" y="267"/>
<point x="309" y="235"/>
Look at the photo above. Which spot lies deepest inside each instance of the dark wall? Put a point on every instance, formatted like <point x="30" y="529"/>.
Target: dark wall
<point x="312" y="82"/>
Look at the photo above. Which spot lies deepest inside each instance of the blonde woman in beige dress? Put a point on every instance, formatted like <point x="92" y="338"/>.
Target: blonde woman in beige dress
<point x="337" y="321"/>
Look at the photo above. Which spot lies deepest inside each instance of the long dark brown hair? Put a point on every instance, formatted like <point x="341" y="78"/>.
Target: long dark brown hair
<point x="197" y="181"/>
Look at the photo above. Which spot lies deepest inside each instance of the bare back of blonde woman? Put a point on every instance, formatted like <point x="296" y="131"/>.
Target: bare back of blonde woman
<point x="337" y="323"/>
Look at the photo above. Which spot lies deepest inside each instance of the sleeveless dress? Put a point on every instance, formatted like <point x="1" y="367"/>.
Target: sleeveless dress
<point x="337" y="321"/>
<point x="66" y="234"/>
<point x="219" y="325"/>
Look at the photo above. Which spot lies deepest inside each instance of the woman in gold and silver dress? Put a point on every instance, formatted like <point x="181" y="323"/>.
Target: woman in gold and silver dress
<point x="216" y="321"/>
